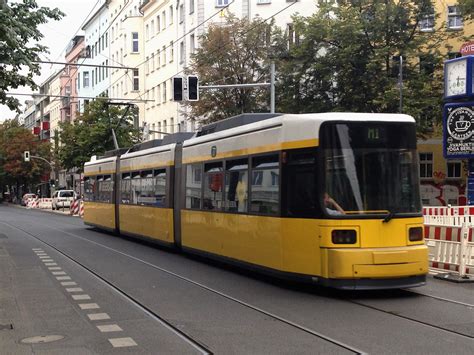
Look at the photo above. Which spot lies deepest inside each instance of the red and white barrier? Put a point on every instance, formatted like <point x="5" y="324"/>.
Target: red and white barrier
<point x="451" y="248"/>
<point x="74" y="208"/>
<point x="450" y="216"/>
<point x="81" y="209"/>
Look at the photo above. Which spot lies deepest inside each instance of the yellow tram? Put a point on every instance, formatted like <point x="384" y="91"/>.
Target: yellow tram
<point x="326" y="198"/>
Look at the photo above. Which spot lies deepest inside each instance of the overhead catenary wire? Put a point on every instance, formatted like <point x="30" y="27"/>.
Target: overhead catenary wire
<point x="76" y="97"/>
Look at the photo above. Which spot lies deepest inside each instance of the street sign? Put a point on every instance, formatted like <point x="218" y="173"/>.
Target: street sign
<point x="458" y="131"/>
<point x="26" y="155"/>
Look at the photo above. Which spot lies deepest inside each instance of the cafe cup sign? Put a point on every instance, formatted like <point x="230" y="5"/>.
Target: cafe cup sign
<point x="458" y="130"/>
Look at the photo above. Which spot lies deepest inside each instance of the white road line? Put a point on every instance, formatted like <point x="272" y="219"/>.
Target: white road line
<point x="54" y="268"/>
<point x="122" y="342"/>
<point x="75" y="289"/>
<point x="61" y="278"/>
<point x="98" y="316"/>
<point x="37" y="249"/>
<point x="89" y="305"/>
<point x="47" y="261"/>
<point x="59" y="273"/>
<point x="68" y="283"/>
<point x="51" y="264"/>
<point x="109" y="328"/>
<point x="44" y="257"/>
<point x="81" y="297"/>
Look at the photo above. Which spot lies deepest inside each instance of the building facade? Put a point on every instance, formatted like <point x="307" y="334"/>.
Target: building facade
<point x="95" y="81"/>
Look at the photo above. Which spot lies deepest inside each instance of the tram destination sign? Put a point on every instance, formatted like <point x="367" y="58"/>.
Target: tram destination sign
<point x="458" y="131"/>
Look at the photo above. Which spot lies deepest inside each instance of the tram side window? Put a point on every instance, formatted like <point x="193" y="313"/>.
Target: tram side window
<point x="301" y="185"/>
<point x="193" y="186"/>
<point x="160" y="187"/>
<point x="236" y="185"/>
<point x="135" y="187"/>
<point x="213" y="181"/>
<point x="146" y="192"/>
<point x="125" y="189"/>
<point x="100" y="179"/>
<point x="105" y="188"/>
<point x="89" y="188"/>
<point x="265" y="185"/>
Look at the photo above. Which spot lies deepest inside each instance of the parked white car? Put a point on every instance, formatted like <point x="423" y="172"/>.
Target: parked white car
<point x="62" y="198"/>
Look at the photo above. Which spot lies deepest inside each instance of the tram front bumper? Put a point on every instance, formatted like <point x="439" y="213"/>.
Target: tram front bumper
<point x="376" y="262"/>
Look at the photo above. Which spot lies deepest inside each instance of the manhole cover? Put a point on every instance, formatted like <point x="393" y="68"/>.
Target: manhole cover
<point x="42" y="339"/>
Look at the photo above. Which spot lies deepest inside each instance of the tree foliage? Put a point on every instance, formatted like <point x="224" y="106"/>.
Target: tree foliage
<point x="234" y="53"/>
<point x="467" y="8"/>
<point x="347" y="59"/>
<point x="91" y="133"/>
<point x="14" y="141"/>
<point x="19" y="48"/>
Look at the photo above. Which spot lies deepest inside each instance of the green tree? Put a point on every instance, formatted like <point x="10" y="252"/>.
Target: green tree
<point x="14" y="141"/>
<point x="467" y="8"/>
<point x="19" y="48"/>
<point x="236" y="53"/>
<point x="91" y="133"/>
<point x="347" y="59"/>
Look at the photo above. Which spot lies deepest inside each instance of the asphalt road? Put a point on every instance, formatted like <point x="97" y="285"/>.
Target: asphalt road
<point x="166" y="302"/>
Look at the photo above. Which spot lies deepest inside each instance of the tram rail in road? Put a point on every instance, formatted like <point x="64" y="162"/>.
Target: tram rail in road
<point x="186" y="337"/>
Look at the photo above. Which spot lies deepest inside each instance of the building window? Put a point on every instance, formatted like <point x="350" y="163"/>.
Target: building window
<point x="426" y="165"/>
<point x="427" y="22"/>
<point x="106" y="39"/>
<point x="147" y="66"/>
<point x="163" y="20"/>
<point x="171" y="125"/>
<point x="164" y="97"/>
<point x="192" y="45"/>
<point x="85" y="78"/>
<point x="152" y="62"/>
<point x="181" y="52"/>
<point x="134" y="42"/>
<point x="454" y="169"/>
<point x="181" y="13"/>
<point x="147" y="32"/>
<point x="171" y="51"/>
<point x="136" y="80"/>
<point x="171" y="15"/>
<point x="152" y="28"/>
<point x="454" y="18"/>
<point x="163" y="50"/>
<point x="220" y="3"/>
<point x="158" y="95"/>
<point x="158" y="59"/>
<point x="158" y="24"/>
<point x="191" y="6"/>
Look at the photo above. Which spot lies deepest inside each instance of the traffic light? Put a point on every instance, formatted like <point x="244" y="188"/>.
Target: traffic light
<point x="177" y="88"/>
<point x="193" y="88"/>
<point x="26" y="155"/>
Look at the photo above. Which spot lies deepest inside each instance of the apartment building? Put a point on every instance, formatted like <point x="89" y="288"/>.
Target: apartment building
<point x="171" y="30"/>
<point x="52" y="109"/>
<point x="69" y="79"/>
<point x="126" y="49"/>
<point x="95" y="81"/>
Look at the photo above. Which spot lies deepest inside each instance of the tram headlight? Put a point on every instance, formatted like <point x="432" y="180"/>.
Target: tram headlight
<point x="415" y="234"/>
<point x="344" y="236"/>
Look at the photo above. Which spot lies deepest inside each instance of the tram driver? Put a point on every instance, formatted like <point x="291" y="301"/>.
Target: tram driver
<point x="332" y="207"/>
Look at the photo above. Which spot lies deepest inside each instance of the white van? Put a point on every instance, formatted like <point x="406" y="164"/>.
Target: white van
<point x="63" y="198"/>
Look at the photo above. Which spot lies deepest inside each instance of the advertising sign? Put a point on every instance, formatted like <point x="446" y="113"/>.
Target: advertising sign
<point x="458" y="131"/>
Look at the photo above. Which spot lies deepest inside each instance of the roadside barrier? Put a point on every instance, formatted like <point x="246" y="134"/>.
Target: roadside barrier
<point x="74" y="208"/>
<point x="45" y="203"/>
<point x="81" y="209"/>
<point x="449" y="216"/>
<point x="451" y="249"/>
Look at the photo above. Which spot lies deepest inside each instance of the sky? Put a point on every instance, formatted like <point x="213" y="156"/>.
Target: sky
<point x="57" y="35"/>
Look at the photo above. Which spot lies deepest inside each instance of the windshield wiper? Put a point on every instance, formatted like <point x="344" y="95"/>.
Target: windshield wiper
<point x="390" y="215"/>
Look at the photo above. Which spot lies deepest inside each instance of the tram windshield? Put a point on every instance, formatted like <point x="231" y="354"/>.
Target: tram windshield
<point x="370" y="168"/>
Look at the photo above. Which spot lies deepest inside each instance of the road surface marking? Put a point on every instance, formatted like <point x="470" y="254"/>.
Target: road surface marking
<point x="109" y="328"/>
<point x="61" y="278"/>
<point x="54" y="268"/>
<point x="98" y="316"/>
<point x="51" y="264"/>
<point x="38" y="249"/>
<point x="122" y="342"/>
<point x="68" y="283"/>
<point x="81" y="297"/>
<point x="89" y="305"/>
<point x="75" y="289"/>
<point x="44" y="256"/>
<point x="47" y="260"/>
<point x="58" y="273"/>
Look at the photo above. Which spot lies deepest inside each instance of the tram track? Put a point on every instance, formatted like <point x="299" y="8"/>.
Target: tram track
<point x="147" y="310"/>
<point x="275" y="316"/>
